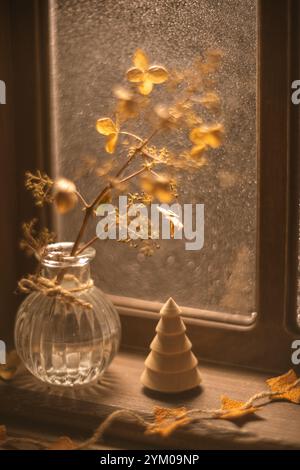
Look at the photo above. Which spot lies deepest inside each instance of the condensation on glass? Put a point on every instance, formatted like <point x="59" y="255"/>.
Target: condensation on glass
<point x="92" y="45"/>
<point x="298" y="279"/>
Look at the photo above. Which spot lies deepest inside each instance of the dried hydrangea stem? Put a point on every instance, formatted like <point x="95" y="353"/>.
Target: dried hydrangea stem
<point x="90" y="208"/>
<point x="124" y="180"/>
<point x="86" y="245"/>
<point x="134" y="136"/>
<point x="80" y="196"/>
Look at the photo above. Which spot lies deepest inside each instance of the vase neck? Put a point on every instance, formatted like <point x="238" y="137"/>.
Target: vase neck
<point x="57" y="263"/>
<point x="71" y="274"/>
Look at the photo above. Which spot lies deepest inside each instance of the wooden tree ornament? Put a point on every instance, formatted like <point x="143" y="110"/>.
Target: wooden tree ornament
<point x="171" y="367"/>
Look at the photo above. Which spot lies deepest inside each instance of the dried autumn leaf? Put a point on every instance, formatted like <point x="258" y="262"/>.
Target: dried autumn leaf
<point x="8" y="370"/>
<point x="234" y="409"/>
<point x="107" y="127"/>
<point x="144" y="75"/>
<point x="292" y="395"/>
<point x="63" y="443"/>
<point x="167" y="420"/>
<point x="283" y="384"/>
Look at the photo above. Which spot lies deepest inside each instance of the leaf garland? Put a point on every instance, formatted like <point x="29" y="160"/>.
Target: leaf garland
<point x="284" y="386"/>
<point x="166" y="421"/>
<point x="233" y="409"/>
<point x="8" y="370"/>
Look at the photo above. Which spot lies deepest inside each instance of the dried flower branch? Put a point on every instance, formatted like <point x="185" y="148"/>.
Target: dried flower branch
<point x="188" y="98"/>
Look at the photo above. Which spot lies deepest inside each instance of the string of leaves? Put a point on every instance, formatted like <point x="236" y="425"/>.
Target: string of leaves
<point x="164" y="421"/>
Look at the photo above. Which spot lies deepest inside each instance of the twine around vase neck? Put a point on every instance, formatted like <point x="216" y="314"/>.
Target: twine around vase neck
<point x="50" y="288"/>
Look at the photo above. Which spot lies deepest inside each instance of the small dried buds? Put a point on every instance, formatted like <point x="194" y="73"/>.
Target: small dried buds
<point x="65" y="195"/>
<point x="34" y="241"/>
<point x="40" y="185"/>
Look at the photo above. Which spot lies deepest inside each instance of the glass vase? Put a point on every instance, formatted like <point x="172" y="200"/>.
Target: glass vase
<point x="67" y="340"/>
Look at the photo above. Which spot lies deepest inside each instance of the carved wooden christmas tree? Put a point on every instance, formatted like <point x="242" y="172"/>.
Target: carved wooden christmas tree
<point x="171" y="367"/>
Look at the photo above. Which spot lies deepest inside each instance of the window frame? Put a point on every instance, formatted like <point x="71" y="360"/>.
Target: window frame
<point x="261" y="341"/>
<point x="266" y="342"/>
<point x="24" y="135"/>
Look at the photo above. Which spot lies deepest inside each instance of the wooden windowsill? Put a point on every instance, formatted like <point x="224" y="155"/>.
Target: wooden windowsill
<point x="78" y="412"/>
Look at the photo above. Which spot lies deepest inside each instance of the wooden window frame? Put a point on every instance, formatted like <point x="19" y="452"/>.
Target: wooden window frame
<point x="262" y="341"/>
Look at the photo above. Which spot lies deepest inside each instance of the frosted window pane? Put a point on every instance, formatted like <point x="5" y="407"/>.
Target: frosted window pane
<point x="298" y="292"/>
<point x="93" y="42"/>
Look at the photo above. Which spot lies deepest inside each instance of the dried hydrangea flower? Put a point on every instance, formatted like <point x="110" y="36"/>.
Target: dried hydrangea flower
<point x="143" y="74"/>
<point x="179" y="113"/>
<point x="128" y="106"/>
<point x="157" y="186"/>
<point x="206" y="136"/>
<point x="209" y="100"/>
<point x="169" y="117"/>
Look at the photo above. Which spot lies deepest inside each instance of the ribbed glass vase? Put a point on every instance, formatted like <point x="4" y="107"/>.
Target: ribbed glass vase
<point x="63" y="342"/>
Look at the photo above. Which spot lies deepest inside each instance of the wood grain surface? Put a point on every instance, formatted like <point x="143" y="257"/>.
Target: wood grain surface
<point x="77" y="412"/>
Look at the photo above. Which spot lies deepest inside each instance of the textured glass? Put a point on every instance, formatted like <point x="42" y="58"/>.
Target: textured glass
<point x="67" y="344"/>
<point x="92" y="45"/>
<point x="298" y="280"/>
